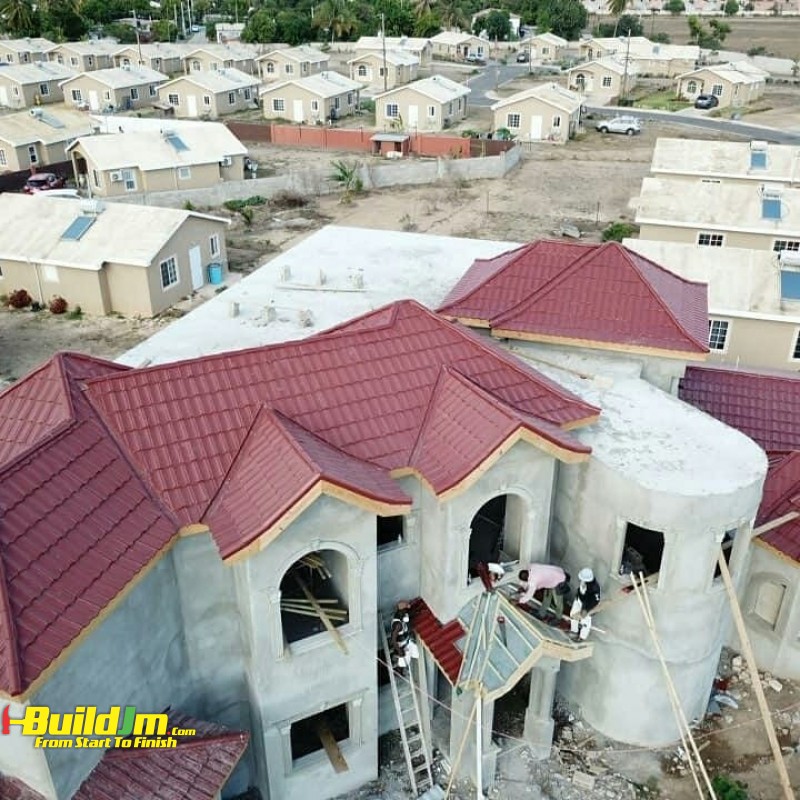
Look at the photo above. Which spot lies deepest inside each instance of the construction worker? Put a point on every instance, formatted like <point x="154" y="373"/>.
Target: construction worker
<point x="587" y="597"/>
<point x="552" y="579"/>
<point x="402" y="647"/>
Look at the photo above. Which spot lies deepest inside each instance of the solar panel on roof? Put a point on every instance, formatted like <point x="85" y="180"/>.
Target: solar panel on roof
<point x="176" y="142"/>
<point x="78" y="227"/>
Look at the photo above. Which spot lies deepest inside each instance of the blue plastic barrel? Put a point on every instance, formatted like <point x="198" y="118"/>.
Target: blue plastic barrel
<point x="215" y="273"/>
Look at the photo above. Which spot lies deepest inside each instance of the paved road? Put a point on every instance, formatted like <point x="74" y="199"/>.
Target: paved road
<point x="706" y="123"/>
<point x="489" y="78"/>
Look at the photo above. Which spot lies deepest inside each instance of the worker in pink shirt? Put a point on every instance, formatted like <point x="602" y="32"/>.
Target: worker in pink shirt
<point x="552" y="579"/>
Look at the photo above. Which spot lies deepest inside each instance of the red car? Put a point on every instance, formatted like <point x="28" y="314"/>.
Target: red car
<point x="42" y="182"/>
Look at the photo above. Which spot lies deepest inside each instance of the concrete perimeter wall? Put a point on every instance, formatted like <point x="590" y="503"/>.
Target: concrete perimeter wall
<point x="319" y="182"/>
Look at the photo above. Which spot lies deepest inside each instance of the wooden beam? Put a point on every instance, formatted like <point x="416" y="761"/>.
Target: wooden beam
<point x="331" y="748"/>
<point x="337" y="637"/>
<point x="775" y="523"/>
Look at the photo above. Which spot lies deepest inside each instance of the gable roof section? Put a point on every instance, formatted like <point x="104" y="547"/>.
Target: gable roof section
<point x="598" y="295"/>
<point x="550" y="93"/>
<point x="216" y="80"/>
<point x="322" y="84"/>
<point x="297" y="466"/>
<point x="38" y="72"/>
<point x="197" y="767"/>
<point x="299" y="54"/>
<point x="437" y="87"/>
<point x="364" y="388"/>
<point x="121" y="77"/>
<point x="763" y="405"/>
<point x="782" y="496"/>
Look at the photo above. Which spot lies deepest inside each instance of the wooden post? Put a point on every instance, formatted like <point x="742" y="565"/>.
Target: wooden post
<point x="747" y="652"/>
<point x="337" y="637"/>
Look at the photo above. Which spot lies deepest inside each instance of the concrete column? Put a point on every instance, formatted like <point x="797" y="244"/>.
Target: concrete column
<point x="539" y="723"/>
<point x="462" y="708"/>
<point x="423" y="698"/>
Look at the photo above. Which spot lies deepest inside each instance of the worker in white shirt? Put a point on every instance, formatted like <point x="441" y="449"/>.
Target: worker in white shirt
<point x="552" y="579"/>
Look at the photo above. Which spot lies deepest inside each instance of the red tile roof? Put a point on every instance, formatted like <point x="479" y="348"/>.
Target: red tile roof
<point x="598" y="294"/>
<point x="440" y="640"/>
<point x="76" y="525"/>
<point x="13" y="789"/>
<point x="763" y="405"/>
<point x="364" y="388"/>
<point x="196" y="769"/>
<point x="781" y="496"/>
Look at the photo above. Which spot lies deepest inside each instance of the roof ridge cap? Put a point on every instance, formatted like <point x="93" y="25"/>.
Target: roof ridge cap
<point x="440" y="377"/>
<point x="7" y="624"/>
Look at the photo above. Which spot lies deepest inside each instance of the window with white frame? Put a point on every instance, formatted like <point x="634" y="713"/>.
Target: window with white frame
<point x="169" y="272"/>
<point x="153" y="90"/>
<point x="228" y="64"/>
<point x="431" y="112"/>
<point x="349" y="98"/>
<point x="792" y="245"/>
<point x="278" y="104"/>
<point x="73" y="61"/>
<point x="44" y="89"/>
<point x="247" y="93"/>
<point x="513" y="121"/>
<point x="231" y="98"/>
<point x="9" y="58"/>
<point x="90" y="61"/>
<point x="270" y="67"/>
<point x="60" y="58"/>
<point x="134" y="93"/>
<point x="196" y="66"/>
<point x="392" y="110"/>
<point x="96" y="178"/>
<point x="606" y="81"/>
<point x="768" y="601"/>
<point x="214" y="66"/>
<point x="691" y="87"/>
<point x="711" y="239"/>
<point x="315" y="105"/>
<point x="450" y="107"/>
<point x="796" y="348"/>
<point x="362" y="70"/>
<point x="173" y="99"/>
<point x="184" y="173"/>
<point x="33" y="155"/>
<point x="129" y="179"/>
<point x="213" y="244"/>
<point x="288" y="69"/>
<point x="3" y="159"/>
<point x="336" y="102"/>
<point x="718" y="334"/>
<point x="716" y="90"/>
<point x="207" y="100"/>
<point x="381" y="71"/>
<point x="556" y="121"/>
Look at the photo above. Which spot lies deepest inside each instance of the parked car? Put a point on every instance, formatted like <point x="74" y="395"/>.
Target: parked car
<point x="522" y="57"/>
<point x="476" y="60"/>
<point x="706" y="101"/>
<point x="627" y="125"/>
<point x="42" y="182"/>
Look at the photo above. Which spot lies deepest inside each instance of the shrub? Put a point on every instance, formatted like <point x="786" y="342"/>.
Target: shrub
<point x="286" y="198"/>
<point x="58" y="305"/>
<point x="617" y="231"/>
<point x="247" y="215"/>
<point x="729" y="789"/>
<point x="19" y="298"/>
<point x="188" y="206"/>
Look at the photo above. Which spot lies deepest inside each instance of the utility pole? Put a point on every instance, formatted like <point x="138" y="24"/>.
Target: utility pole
<point x="530" y="53"/>
<point x="383" y="46"/>
<point x="138" y="38"/>
<point x="624" y="88"/>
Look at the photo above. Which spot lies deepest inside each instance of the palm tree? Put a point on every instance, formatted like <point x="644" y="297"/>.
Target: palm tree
<point x="336" y="16"/>
<point x="452" y="15"/>
<point x="16" y="16"/>
<point x="616" y="8"/>
<point x="423" y="7"/>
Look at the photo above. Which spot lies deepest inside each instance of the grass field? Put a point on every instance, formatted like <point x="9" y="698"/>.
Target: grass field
<point x="779" y="35"/>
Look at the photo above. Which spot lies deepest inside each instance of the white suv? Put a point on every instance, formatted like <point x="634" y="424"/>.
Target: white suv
<point x="627" y="125"/>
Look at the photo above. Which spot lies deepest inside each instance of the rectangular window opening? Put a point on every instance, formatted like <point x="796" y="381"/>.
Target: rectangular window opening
<point x="790" y="284"/>
<point x="169" y="273"/>
<point x="727" y="550"/>
<point x="710" y="239"/>
<point x="642" y="551"/>
<point x="390" y="530"/>
<point x="717" y="334"/>
<point x="315" y="733"/>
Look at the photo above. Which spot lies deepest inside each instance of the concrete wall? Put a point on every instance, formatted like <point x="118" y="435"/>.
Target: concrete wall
<point x="291" y="682"/>
<point x="279" y="63"/>
<point x="765" y="343"/>
<point x="301" y="105"/>
<point x="205" y="103"/>
<point x="372" y="63"/>
<point x="318" y="182"/>
<point x="534" y="107"/>
<point x="407" y="98"/>
<point x="733" y="94"/>
<point x="620" y="690"/>
<point x="27" y="95"/>
<point x="688" y="234"/>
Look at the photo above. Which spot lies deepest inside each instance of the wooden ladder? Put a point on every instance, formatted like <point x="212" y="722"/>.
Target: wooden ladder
<point x="406" y="706"/>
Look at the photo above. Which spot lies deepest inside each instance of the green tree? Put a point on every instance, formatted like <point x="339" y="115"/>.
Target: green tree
<point x="452" y="14"/>
<point x="428" y="24"/>
<point x="123" y="33"/>
<point x="731" y="8"/>
<point x="336" y="17"/>
<point x="497" y="25"/>
<point x="661" y="38"/>
<point x="164" y="30"/>
<point x="398" y="17"/>
<point x="18" y="18"/>
<point x="565" y="18"/>
<point x="627" y="23"/>
<point x="675" y="7"/>
<point x="294" y="27"/>
<point x="710" y="38"/>
<point x="261" y="27"/>
<point x="719" y="29"/>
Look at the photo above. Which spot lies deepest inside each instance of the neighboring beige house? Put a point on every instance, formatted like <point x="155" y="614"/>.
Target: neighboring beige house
<point x="547" y="112"/>
<point x="161" y="56"/>
<point x="458" y="46"/>
<point x="115" y="257"/>
<point x="734" y="85"/>
<point x="650" y="58"/>
<point x="430" y="104"/>
<point x="544" y="47"/>
<point x="421" y="48"/>
<point x="753" y="299"/>
<point x="212" y="57"/>
<point x="39" y="137"/>
<point x="229" y="31"/>
<point x="85" y="56"/>
<point x="210" y="94"/>
<point x="115" y="89"/>
<point x="25" y="51"/>
<point x="396" y="67"/>
<point x="27" y="85"/>
<point x="189" y="157"/>
<point x="291" y="62"/>
<point x="315" y="99"/>
<point x="603" y="80"/>
<point x="745" y="162"/>
<point x="718" y="213"/>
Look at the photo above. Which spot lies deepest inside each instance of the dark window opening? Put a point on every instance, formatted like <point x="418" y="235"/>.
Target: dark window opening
<point x="486" y="536"/>
<point x="383" y="669"/>
<point x="727" y="549"/>
<point x="315" y="583"/>
<point x="307" y="734"/>
<point x="390" y="530"/>
<point x="642" y="551"/>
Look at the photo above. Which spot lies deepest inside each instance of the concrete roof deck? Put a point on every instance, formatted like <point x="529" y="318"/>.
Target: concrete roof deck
<point x="37" y="72"/>
<point x="323" y="84"/>
<point x="550" y="93"/>
<point x="23" y="127"/>
<point x="217" y="80"/>
<point x="122" y="77"/>
<point x="437" y="87"/>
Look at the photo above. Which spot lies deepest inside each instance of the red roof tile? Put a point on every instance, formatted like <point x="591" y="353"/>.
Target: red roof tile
<point x="13" y="789"/>
<point x="440" y="640"/>
<point x="763" y="405"/>
<point x="781" y="496"/>
<point x="592" y="293"/>
<point x="292" y="461"/>
<point x="364" y="388"/>
<point x="196" y="769"/>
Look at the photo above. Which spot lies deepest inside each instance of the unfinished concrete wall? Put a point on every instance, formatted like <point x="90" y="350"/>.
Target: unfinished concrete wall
<point x="313" y="674"/>
<point x="136" y="656"/>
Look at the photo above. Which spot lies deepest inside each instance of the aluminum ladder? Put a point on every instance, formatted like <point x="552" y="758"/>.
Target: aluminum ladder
<point x="406" y="707"/>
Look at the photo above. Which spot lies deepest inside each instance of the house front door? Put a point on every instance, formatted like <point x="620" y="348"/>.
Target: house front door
<point x="191" y="105"/>
<point x="536" y="128"/>
<point x="297" y="110"/>
<point x="196" y="267"/>
<point x="94" y="100"/>
<point x="413" y="116"/>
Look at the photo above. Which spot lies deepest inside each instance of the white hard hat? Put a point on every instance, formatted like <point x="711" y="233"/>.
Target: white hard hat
<point x="586" y="575"/>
